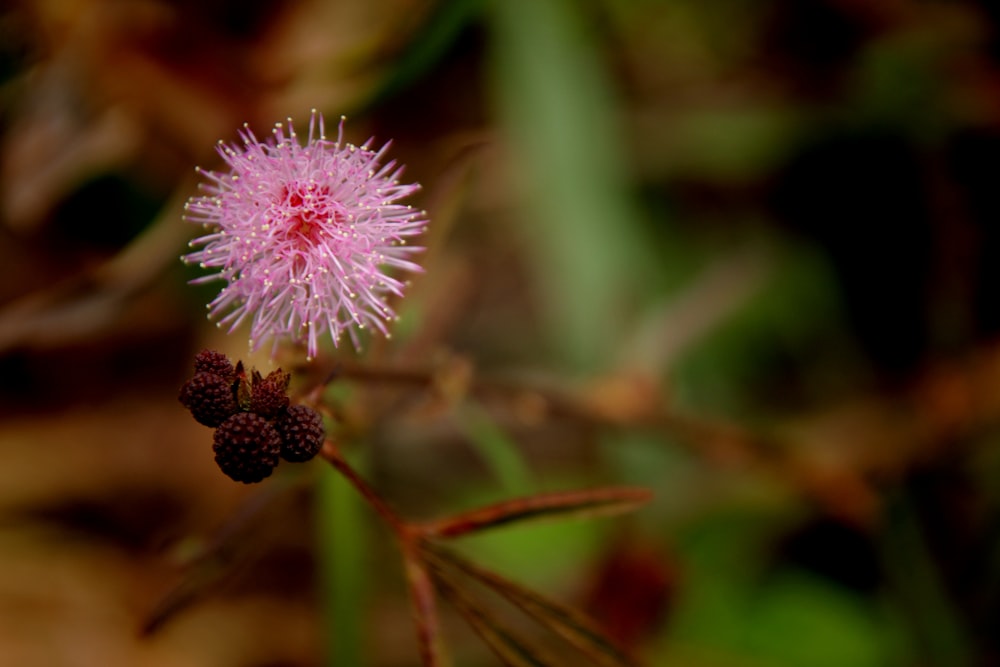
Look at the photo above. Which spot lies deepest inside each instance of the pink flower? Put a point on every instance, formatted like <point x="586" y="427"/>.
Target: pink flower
<point x="304" y="236"/>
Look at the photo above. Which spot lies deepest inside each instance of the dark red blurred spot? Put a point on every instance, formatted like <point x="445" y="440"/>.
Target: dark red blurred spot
<point x="632" y="592"/>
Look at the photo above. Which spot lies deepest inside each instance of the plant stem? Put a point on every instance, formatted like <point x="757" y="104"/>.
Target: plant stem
<point x="333" y="455"/>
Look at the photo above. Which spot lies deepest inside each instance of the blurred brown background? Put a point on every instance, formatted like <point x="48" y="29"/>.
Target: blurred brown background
<point x="743" y="252"/>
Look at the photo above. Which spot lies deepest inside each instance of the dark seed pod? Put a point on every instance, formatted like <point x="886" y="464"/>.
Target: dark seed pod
<point x="209" y="397"/>
<point x="210" y="361"/>
<point x="302" y="433"/>
<point x="246" y="447"/>
<point x="268" y="397"/>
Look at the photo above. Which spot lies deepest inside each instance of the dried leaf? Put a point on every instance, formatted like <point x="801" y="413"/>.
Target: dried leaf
<point x="226" y="556"/>
<point x="574" y="626"/>
<point x="190" y="589"/>
<point x="512" y="650"/>
<point x="587" y="503"/>
<point x="424" y="608"/>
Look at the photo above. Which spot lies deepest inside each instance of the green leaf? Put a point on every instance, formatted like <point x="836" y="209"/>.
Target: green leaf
<point x="559" y="109"/>
<point x="498" y="451"/>
<point x="343" y="569"/>
<point x="430" y="43"/>
<point x="737" y="607"/>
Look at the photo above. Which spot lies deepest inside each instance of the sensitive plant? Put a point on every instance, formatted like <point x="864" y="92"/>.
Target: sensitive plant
<point x="304" y="236"/>
<point x="310" y="239"/>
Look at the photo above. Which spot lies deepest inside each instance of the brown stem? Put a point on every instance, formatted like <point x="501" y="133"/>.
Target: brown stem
<point x="374" y="373"/>
<point x="424" y="602"/>
<point x="717" y="442"/>
<point x="409" y="536"/>
<point x="333" y="455"/>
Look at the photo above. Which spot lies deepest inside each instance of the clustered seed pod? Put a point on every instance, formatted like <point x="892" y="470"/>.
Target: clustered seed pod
<point x="209" y="397"/>
<point x="255" y="426"/>
<point x="301" y="430"/>
<point x="246" y="447"/>
<point x="210" y="361"/>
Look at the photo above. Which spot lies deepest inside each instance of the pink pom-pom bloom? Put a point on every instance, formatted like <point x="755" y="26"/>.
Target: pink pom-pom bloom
<point x="304" y="236"/>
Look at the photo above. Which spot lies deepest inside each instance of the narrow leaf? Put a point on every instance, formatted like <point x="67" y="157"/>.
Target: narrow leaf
<point x="512" y="650"/>
<point x="428" y="46"/>
<point x="225" y="556"/>
<point x="195" y="585"/>
<point x="587" y="503"/>
<point x="343" y="574"/>
<point x="574" y="626"/>
<point x="558" y="106"/>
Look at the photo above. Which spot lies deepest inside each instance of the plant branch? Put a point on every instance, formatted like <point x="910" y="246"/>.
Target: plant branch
<point x="334" y="457"/>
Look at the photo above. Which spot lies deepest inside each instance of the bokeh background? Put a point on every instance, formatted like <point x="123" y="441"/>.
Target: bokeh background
<point x="745" y="253"/>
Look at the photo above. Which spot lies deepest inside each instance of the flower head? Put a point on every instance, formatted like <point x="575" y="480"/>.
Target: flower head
<point x="305" y="236"/>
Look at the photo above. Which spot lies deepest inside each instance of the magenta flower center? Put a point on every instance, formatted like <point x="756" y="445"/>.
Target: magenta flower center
<point x="305" y="213"/>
